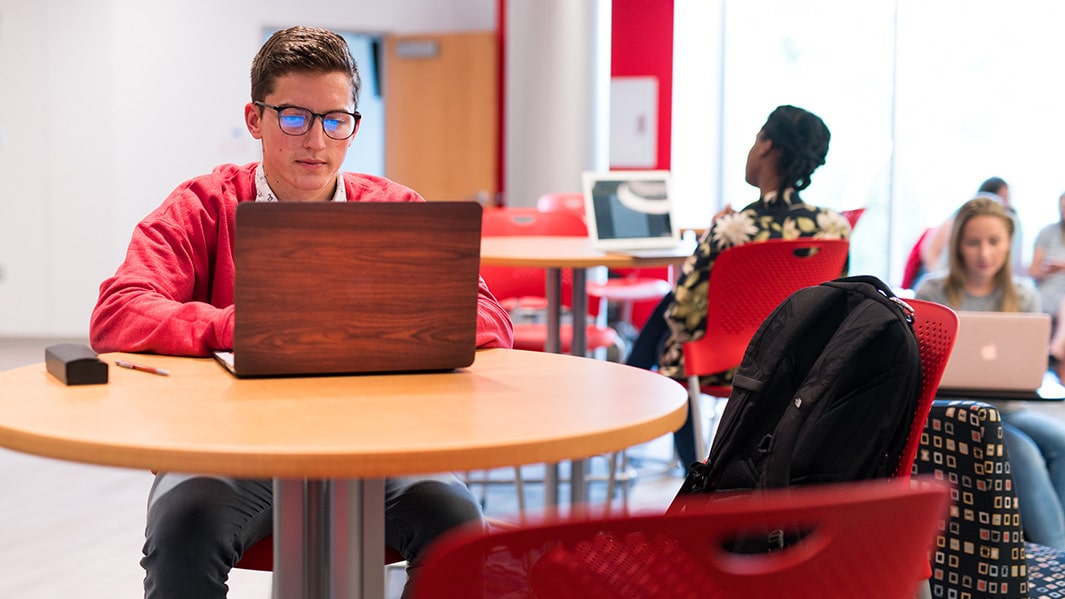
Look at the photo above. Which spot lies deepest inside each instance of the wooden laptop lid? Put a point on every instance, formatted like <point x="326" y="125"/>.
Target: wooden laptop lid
<point x="355" y="287"/>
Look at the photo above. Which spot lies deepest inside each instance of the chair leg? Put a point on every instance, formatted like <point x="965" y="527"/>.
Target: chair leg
<point x="611" y="480"/>
<point x="519" y="489"/>
<point x="694" y="399"/>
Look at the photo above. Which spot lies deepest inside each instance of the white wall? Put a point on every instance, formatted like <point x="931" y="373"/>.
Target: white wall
<point x="107" y="105"/>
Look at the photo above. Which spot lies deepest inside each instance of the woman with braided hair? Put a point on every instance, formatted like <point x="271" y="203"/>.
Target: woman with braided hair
<point x="787" y="150"/>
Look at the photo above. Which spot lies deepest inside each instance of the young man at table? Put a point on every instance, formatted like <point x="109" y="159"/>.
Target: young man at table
<point x="173" y="294"/>
<point x="790" y="146"/>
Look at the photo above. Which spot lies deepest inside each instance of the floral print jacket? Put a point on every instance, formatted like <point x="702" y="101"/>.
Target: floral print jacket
<point x="771" y="217"/>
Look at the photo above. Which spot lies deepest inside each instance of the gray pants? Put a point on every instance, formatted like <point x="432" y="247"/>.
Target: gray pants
<point x="199" y="526"/>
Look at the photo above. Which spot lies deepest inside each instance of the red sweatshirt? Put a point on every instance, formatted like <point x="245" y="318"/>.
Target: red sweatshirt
<point x="173" y="294"/>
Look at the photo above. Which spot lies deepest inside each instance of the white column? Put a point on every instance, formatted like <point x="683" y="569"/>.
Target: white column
<point x="557" y="104"/>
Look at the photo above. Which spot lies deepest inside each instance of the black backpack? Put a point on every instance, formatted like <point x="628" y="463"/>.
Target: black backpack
<point x="826" y="392"/>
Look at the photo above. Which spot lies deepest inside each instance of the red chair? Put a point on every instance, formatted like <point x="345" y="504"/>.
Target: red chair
<point x="521" y="289"/>
<point x="936" y="327"/>
<point x="852" y="215"/>
<point x="914" y="267"/>
<point x="747" y="282"/>
<point x="868" y="540"/>
<point x="260" y="556"/>
<point x="562" y="202"/>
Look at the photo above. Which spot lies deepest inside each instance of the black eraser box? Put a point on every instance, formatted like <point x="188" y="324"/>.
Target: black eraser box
<point x="75" y="364"/>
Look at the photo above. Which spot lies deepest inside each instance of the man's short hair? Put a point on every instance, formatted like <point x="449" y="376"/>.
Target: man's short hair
<point x="302" y="49"/>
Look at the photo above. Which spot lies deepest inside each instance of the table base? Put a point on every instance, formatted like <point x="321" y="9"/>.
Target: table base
<point x="329" y="538"/>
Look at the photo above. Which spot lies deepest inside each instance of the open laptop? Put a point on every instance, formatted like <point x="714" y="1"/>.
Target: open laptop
<point x="997" y="355"/>
<point x="354" y="287"/>
<point x="631" y="212"/>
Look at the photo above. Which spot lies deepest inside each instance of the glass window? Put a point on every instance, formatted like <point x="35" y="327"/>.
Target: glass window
<point x="924" y="101"/>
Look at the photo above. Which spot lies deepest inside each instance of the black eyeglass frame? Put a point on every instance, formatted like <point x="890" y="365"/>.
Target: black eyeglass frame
<point x="321" y="118"/>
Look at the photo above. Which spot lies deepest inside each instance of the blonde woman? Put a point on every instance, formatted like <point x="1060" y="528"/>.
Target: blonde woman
<point x="980" y="278"/>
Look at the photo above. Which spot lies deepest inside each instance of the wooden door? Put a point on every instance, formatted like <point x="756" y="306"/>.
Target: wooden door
<point x="441" y="114"/>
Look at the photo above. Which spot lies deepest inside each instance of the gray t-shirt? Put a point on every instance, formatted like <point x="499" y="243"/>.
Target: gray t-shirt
<point x="1051" y="240"/>
<point x="934" y="289"/>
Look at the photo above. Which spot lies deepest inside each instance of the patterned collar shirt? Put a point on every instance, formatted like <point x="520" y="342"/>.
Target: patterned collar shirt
<point x="263" y="193"/>
<point x="774" y="216"/>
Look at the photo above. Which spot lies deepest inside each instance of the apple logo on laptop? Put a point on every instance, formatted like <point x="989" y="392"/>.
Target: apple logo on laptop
<point x="989" y="352"/>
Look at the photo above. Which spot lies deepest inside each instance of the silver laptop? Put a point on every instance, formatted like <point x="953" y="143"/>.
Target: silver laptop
<point x="631" y="212"/>
<point x="997" y="352"/>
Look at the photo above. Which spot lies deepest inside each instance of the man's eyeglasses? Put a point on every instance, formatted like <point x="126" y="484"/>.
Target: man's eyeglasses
<point x="294" y="120"/>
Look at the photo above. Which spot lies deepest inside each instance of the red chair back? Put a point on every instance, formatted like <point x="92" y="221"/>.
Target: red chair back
<point x="868" y="540"/>
<point x="912" y="268"/>
<point x="936" y="327"/>
<point x="747" y="282"/>
<point x="852" y="215"/>
<point x="508" y="282"/>
<point x="517" y="287"/>
<point x="572" y="203"/>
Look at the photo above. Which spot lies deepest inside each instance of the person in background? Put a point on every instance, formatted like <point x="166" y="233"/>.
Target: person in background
<point x="787" y="150"/>
<point x="933" y="258"/>
<point x="1048" y="272"/>
<point x="173" y="294"/>
<point x="980" y="278"/>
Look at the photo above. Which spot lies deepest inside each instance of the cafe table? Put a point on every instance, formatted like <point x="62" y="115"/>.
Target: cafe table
<point x="328" y="442"/>
<point x="554" y="254"/>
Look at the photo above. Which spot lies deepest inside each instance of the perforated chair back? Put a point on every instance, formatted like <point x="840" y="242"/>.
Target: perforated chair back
<point x="749" y="281"/>
<point x="746" y="284"/>
<point x="936" y="327"/>
<point x="868" y="540"/>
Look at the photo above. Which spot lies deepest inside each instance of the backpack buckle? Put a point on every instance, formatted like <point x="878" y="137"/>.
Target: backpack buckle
<point x="907" y="310"/>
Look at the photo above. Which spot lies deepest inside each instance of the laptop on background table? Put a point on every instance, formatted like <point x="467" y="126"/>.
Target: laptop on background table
<point x="354" y="287"/>
<point x="631" y="212"/>
<point x="998" y="355"/>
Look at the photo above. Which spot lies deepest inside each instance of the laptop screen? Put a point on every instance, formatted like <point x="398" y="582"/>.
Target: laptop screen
<point x="630" y="209"/>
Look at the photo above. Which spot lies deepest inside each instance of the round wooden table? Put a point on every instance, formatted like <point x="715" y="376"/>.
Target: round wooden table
<point x="554" y="253"/>
<point x="328" y="442"/>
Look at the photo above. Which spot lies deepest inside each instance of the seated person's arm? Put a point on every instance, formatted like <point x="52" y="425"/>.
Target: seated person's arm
<point x="171" y="295"/>
<point x="494" y="327"/>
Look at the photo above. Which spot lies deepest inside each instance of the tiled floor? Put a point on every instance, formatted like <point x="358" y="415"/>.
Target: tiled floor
<point x="74" y="530"/>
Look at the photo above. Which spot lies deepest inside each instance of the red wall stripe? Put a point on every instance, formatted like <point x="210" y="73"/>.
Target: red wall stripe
<point x="642" y="45"/>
